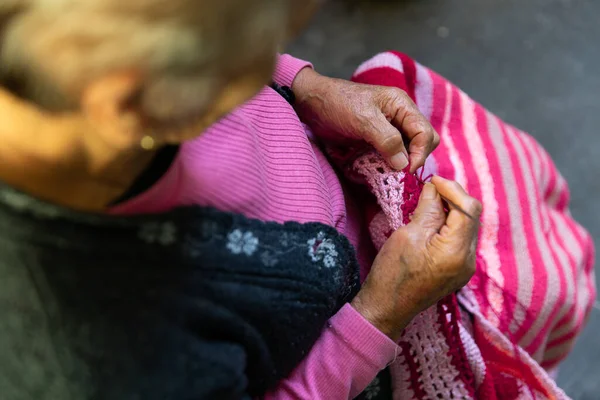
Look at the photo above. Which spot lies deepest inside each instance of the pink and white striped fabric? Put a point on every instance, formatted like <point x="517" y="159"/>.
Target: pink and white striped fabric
<point x="534" y="288"/>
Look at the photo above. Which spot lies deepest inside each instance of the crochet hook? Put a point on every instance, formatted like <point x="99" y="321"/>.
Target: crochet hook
<point x="457" y="208"/>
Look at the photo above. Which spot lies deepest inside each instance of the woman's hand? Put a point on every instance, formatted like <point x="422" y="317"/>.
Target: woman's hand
<point x="424" y="261"/>
<point x="339" y="110"/>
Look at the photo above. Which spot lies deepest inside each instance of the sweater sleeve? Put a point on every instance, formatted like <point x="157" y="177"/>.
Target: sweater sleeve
<point x="287" y="68"/>
<point x="346" y="358"/>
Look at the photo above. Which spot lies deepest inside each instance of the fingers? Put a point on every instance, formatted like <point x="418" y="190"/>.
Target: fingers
<point x="429" y="213"/>
<point x="421" y="146"/>
<point x="388" y="141"/>
<point x="465" y="210"/>
<point x="406" y="117"/>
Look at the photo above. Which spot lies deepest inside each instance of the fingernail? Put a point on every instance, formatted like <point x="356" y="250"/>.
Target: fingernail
<point x="399" y="161"/>
<point x="429" y="192"/>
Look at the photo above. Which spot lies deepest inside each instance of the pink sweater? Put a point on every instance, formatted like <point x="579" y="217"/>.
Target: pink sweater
<point x="259" y="162"/>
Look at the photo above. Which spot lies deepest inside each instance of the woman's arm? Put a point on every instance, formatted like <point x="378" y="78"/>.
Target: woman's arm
<point x="351" y="351"/>
<point x="420" y="263"/>
<point x="342" y="112"/>
<point x="287" y="68"/>
<point x="345" y="359"/>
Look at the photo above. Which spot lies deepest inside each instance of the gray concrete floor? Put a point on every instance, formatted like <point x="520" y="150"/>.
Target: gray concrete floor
<point x="534" y="63"/>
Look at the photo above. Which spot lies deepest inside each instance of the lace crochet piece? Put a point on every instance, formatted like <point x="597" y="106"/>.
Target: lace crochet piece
<point x="397" y="192"/>
<point x="431" y="347"/>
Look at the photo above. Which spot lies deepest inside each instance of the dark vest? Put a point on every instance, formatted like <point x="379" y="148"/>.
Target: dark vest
<point x="187" y="305"/>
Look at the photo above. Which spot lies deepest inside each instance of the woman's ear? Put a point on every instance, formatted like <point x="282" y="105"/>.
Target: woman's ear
<point x="111" y="104"/>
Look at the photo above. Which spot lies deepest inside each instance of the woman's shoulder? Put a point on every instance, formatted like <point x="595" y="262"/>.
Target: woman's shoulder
<point x="259" y="161"/>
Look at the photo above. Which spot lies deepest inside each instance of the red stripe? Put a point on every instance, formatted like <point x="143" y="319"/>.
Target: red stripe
<point x="413" y="367"/>
<point x="507" y="362"/>
<point x="565" y="197"/>
<point x="473" y="187"/>
<point x="577" y="312"/>
<point x="555" y="233"/>
<point x="410" y="71"/>
<point x="586" y="245"/>
<point x="552" y="179"/>
<point x="561" y="340"/>
<point x="581" y="240"/>
<point x="448" y="307"/>
<point x="383" y="76"/>
<point x="542" y="336"/>
<point x="536" y="301"/>
<point x="438" y="108"/>
<point x="506" y="254"/>
<point x="566" y="314"/>
<point x="440" y="104"/>
<point x="457" y="352"/>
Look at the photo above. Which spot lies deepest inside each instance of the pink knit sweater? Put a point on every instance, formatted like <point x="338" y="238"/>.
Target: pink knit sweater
<point x="260" y="162"/>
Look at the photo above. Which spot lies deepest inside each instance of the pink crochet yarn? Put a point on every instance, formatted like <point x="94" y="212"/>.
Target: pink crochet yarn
<point x="431" y="345"/>
<point x="397" y="192"/>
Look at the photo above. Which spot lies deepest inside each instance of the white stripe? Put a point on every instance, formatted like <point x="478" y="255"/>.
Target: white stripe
<point x="582" y="300"/>
<point x="553" y="283"/>
<point x="545" y="173"/>
<point x="552" y="197"/>
<point x="558" y="352"/>
<point x="547" y="167"/>
<point x="560" y="186"/>
<point x="580" y="295"/>
<point x="516" y="231"/>
<point x="583" y="294"/>
<point x="529" y="146"/>
<point x="562" y="251"/>
<point x="430" y="167"/>
<point x="570" y="297"/>
<point x="488" y="238"/>
<point x="585" y="235"/>
<point x="429" y="347"/>
<point x="566" y="237"/>
<point x="476" y="361"/>
<point x="424" y="91"/>
<point x="381" y="60"/>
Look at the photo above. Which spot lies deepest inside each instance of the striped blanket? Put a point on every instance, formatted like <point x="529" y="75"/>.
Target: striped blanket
<point x="519" y="316"/>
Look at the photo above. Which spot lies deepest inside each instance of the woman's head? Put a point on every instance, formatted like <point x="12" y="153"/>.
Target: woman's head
<point x="135" y="67"/>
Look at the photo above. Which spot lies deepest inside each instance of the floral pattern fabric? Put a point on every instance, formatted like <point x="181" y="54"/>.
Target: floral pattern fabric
<point x="321" y="249"/>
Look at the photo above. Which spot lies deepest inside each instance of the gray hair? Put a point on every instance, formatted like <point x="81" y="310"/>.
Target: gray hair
<point x="187" y="49"/>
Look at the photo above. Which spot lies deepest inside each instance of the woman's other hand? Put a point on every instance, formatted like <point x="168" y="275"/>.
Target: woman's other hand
<point x="424" y="261"/>
<point x="386" y="117"/>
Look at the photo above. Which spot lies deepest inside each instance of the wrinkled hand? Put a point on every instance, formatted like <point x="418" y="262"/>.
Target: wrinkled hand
<point x="424" y="261"/>
<point x="386" y="117"/>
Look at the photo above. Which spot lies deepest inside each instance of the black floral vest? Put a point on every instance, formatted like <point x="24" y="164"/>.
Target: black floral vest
<point x="190" y="304"/>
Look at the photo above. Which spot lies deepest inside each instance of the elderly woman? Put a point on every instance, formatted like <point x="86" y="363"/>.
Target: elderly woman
<point x="135" y="262"/>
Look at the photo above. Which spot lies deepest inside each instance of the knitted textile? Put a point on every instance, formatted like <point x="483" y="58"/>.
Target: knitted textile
<point x="534" y="284"/>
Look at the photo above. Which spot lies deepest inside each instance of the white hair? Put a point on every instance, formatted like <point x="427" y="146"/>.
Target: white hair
<point x="187" y="48"/>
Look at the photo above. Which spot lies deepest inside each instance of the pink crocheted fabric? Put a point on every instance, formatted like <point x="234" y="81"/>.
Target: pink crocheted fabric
<point x="534" y="284"/>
